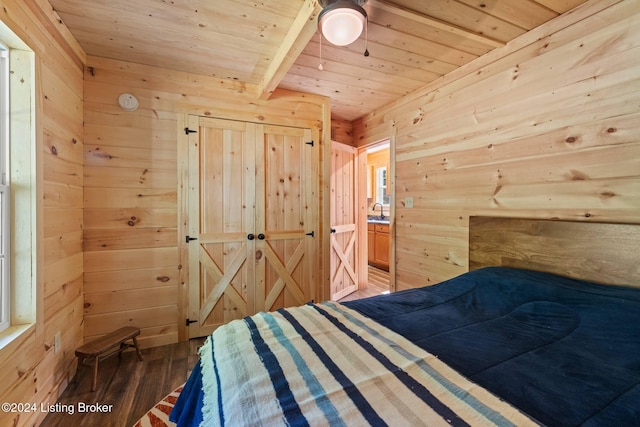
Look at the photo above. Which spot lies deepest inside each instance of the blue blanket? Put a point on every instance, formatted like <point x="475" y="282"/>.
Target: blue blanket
<point x="566" y="352"/>
<point x="562" y="351"/>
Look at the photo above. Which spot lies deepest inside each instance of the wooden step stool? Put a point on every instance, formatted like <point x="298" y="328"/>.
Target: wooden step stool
<point x="105" y="346"/>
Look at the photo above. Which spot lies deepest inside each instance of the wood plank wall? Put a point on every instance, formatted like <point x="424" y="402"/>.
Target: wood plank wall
<point x="546" y="127"/>
<point x="342" y="131"/>
<point x="134" y="261"/>
<point x="31" y="371"/>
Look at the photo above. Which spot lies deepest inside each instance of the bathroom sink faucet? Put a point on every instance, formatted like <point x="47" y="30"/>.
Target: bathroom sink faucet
<point x="381" y="209"/>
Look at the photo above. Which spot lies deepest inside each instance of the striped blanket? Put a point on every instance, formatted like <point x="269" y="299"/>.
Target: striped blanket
<point x="326" y="364"/>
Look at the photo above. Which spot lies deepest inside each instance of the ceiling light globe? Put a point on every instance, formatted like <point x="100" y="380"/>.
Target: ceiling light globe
<point x="342" y="26"/>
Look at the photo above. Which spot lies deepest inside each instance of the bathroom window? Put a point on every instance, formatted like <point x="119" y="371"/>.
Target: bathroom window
<point x="382" y="193"/>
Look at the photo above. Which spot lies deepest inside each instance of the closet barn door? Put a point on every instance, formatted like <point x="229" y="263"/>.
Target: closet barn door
<point x="250" y="212"/>
<point x="285" y="206"/>
<point x="221" y="217"/>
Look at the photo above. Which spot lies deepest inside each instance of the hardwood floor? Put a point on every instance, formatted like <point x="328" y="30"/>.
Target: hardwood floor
<point x="378" y="284"/>
<point x="132" y="387"/>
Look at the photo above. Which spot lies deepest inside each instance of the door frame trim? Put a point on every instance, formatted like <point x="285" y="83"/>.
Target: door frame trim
<point x="362" y="205"/>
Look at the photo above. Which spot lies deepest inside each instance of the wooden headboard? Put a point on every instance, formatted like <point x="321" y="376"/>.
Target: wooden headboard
<point x="597" y="252"/>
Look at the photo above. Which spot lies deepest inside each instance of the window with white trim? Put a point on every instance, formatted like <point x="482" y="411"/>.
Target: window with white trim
<point x="5" y="220"/>
<point x="382" y="194"/>
<point x="19" y="208"/>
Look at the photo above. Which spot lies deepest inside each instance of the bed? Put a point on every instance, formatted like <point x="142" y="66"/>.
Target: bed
<point x="543" y="330"/>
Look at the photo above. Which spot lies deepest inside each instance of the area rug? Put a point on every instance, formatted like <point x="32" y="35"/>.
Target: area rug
<point x="158" y="416"/>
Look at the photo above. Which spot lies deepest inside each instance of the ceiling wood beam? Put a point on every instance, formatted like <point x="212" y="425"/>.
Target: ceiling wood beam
<point x="302" y="30"/>
<point x="433" y="22"/>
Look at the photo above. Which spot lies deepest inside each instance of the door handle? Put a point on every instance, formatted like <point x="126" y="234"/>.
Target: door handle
<point x="261" y="236"/>
<point x="250" y="236"/>
<point x="333" y="230"/>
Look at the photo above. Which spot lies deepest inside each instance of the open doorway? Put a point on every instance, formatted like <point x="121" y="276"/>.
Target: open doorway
<point x="375" y="223"/>
<point x="378" y="208"/>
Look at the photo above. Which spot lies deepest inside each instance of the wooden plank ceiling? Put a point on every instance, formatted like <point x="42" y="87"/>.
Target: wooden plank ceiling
<point x="269" y="44"/>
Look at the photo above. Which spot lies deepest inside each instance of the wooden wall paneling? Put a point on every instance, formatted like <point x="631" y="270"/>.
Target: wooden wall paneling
<point x="64" y="172"/>
<point x="58" y="195"/>
<point x="32" y="370"/>
<point x="129" y="300"/>
<point x="41" y="373"/>
<point x="60" y="137"/>
<point x="130" y="198"/>
<point x="147" y="319"/>
<point x="69" y="314"/>
<point x="151" y="277"/>
<point x="63" y="147"/>
<point x="154" y="138"/>
<point x="101" y="240"/>
<point x="125" y="218"/>
<point x="60" y="247"/>
<point x="62" y="368"/>
<point x="107" y="114"/>
<point x="62" y="96"/>
<point x="165" y="91"/>
<point x="342" y="131"/>
<point x="132" y="177"/>
<point x="374" y="126"/>
<point x="115" y="260"/>
<point x="62" y="296"/>
<point x="125" y="157"/>
<point x="543" y="127"/>
<point x="566" y="140"/>
<point x="134" y="168"/>
<point x="58" y="274"/>
<point x="495" y="120"/>
<point x="15" y="368"/>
